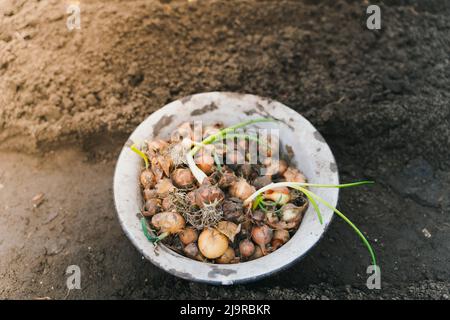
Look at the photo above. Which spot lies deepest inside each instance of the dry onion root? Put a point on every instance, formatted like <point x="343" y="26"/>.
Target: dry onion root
<point x="223" y="213"/>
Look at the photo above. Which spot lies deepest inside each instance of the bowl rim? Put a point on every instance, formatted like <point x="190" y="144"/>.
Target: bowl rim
<point x="178" y="271"/>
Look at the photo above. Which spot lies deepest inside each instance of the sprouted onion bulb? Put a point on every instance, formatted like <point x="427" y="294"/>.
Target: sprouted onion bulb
<point x="212" y="243"/>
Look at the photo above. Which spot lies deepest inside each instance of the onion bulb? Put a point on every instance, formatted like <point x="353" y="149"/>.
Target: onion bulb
<point x="279" y="195"/>
<point x="232" y="209"/>
<point x="246" y="248"/>
<point x="275" y="167"/>
<point x="258" y="254"/>
<point x="227" y="179"/>
<point x="294" y="175"/>
<point x="282" y="235"/>
<point x="205" y="162"/>
<point x="191" y="250"/>
<point x="147" y="179"/>
<point x="212" y="243"/>
<point x="170" y="222"/>
<point x="227" y="257"/>
<point x="242" y="189"/>
<point x="150" y="194"/>
<point x="206" y="194"/>
<point x="157" y="144"/>
<point x="164" y="186"/>
<point x="182" y="178"/>
<point x="188" y="235"/>
<point x="152" y="206"/>
<point x="275" y="244"/>
<point x="229" y="229"/>
<point x="262" y="236"/>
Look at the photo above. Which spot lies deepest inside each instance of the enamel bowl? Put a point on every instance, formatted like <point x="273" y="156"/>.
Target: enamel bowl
<point x="300" y="140"/>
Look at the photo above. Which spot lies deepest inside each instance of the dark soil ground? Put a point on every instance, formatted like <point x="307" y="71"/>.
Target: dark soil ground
<point x="68" y="100"/>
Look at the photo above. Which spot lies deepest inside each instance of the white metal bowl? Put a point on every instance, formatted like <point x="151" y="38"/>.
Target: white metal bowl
<point x="305" y="144"/>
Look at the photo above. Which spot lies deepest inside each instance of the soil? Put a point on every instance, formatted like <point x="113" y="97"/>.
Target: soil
<point x="68" y="100"/>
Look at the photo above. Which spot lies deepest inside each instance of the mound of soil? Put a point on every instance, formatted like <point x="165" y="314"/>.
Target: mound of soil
<point x="380" y="98"/>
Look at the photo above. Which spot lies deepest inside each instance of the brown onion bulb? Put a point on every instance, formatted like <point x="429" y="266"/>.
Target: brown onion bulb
<point x="182" y="178"/>
<point x="212" y="243"/>
<point x="147" y="179"/>
<point x="275" y="244"/>
<point x="152" y="206"/>
<point x="188" y="235"/>
<point x="258" y="215"/>
<point x="262" y="235"/>
<point x="167" y="221"/>
<point x="242" y="189"/>
<point x="164" y="186"/>
<point x="246" y="248"/>
<point x="150" y="194"/>
<point x="227" y="257"/>
<point x="157" y="144"/>
<point x="205" y="162"/>
<point x="282" y="235"/>
<point x="262" y="181"/>
<point x="191" y="250"/>
<point x="275" y="167"/>
<point x="167" y="204"/>
<point x="206" y="194"/>
<point x="258" y="253"/>
<point x="294" y="175"/>
<point x="232" y="209"/>
<point x="227" y="179"/>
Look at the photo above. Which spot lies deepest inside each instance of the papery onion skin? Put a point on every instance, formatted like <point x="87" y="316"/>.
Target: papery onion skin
<point x="212" y="243"/>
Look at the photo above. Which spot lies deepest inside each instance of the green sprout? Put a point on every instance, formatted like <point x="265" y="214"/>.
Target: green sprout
<point x="153" y="239"/>
<point x="140" y="153"/>
<point x="229" y="131"/>
<point x="256" y="200"/>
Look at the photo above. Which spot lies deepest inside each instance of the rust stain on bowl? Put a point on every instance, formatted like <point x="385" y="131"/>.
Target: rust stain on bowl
<point x="208" y="108"/>
<point x="163" y="122"/>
